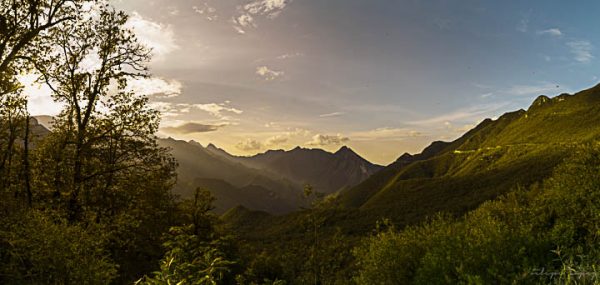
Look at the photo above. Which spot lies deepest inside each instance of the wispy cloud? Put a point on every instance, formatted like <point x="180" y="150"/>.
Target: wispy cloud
<point x="247" y="13"/>
<point x="543" y="88"/>
<point x="327" y="140"/>
<point x="157" y="36"/>
<point x="284" y="137"/>
<point x="468" y="114"/>
<point x="209" y="12"/>
<point x="249" y="145"/>
<point x="523" y="25"/>
<point x="268" y="74"/>
<point x="458" y="129"/>
<point x="487" y="95"/>
<point x="155" y="86"/>
<point x="239" y="30"/>
<point x="192" y="127"/>
<point x="547" y="58"/>
<point x="385" y="133"/>
<point x="173" y="11"/>
<point x="329" y="115"/>
<point x="277" y="140"/>
<point x="289" y="55"/>
<point x="554" y="32"/>
<point x="244" y="21"/>
<point x="217" y="110"/>
<point x="285" y="56"/>
<point x="271" y="8"/>
<point x="167" y="109"/>
<point x="581" y="50"/>
<point x="482" y="86"/>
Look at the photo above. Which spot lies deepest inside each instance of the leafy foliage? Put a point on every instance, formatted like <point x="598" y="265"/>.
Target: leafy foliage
<point x="90" y="202"/>
<point x="98" y="180"/>
<point x="189" y="261"/>
<point x="195" y="253"/>
<point x="40" y="248"/>
<point x="547" y="233"/>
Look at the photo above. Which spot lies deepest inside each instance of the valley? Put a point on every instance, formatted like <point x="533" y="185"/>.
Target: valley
<point x="296" y="142"/>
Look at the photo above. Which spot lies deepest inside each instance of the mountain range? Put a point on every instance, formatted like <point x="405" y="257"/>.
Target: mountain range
<point x="272" y="181"/>
<point x="516" y="150"/>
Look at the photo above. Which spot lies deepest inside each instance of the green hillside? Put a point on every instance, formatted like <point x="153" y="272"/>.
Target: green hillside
<point x="252" y="196"/>
<point x="518" y="149"/>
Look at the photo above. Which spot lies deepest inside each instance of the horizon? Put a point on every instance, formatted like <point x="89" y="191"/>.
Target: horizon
<point x="383" y="78"/>
<point x="299" y="142"/>
<point x="275" y="149"/>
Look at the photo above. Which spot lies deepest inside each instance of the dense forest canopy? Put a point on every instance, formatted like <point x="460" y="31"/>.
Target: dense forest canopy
<point x="515" y="200"/>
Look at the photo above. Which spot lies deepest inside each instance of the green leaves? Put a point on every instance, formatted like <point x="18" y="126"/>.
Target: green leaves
<point x="195" y="253"/>
<point x="100" y="168"/>
<point x="39" y="248"/>
<point x="511" y="240"/>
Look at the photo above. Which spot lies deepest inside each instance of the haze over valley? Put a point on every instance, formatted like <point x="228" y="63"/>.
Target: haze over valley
<point x="284" y="142"/>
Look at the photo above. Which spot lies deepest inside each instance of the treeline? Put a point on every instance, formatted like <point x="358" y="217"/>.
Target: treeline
<point x="549" y="233"/>
<point x="90" y="202"/>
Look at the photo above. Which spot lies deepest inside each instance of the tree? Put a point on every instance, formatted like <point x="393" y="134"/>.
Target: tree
<point x="195" y="252"/>
<point x="548" y="233"/>
<point x="39" y="248"/>
<point x="102" y="164"/>
<point x="24" y="25"/>
<point x="100" y="170"/>
<point x="197" y="213"/>
<point x="87" y="70"/>
<point x="21" y="24"/>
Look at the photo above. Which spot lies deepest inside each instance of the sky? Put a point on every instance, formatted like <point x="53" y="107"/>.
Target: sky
<point x="383" y="77"/>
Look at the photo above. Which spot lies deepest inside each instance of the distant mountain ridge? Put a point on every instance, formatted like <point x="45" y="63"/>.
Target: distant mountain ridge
<point x="271" y="182"/>
<point x="228" y="179"/>
<point x="326" y="172"/>
<point x="517" y="150"/>
<point x="276" y="176"/>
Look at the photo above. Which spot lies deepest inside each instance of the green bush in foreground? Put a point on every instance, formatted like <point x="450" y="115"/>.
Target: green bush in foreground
<point x="36" y="248"/>
<point x="549" y="233"/>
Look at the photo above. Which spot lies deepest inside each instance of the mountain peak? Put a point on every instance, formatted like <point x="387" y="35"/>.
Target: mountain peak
<point x="33" y="121"/>
<point x="193" y="142"/>
<point x="540" y="101"/>
<point x="46" y="121"/>
<point x="212" y="148"/>
<point x="344" y="149"/>
<point x="405" y="156"/>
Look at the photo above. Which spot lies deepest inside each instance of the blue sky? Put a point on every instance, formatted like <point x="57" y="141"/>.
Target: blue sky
<point x="384" y="77"/>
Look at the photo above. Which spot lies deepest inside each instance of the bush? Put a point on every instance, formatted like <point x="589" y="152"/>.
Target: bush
<point x="549" y="233"/>
<point x="36" y="248"/>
